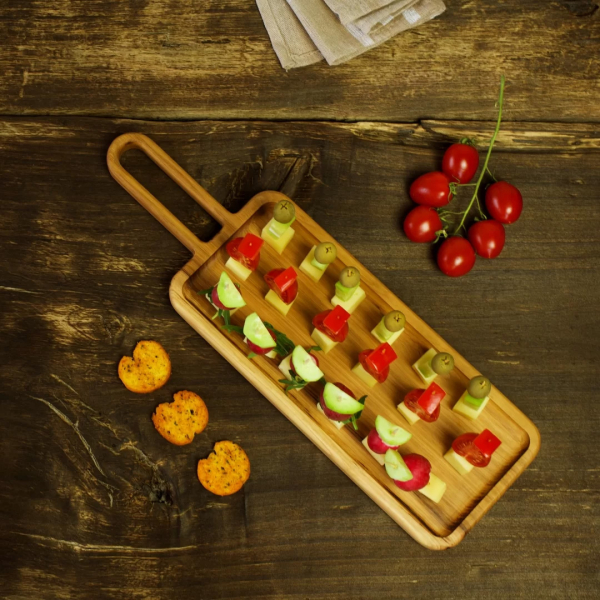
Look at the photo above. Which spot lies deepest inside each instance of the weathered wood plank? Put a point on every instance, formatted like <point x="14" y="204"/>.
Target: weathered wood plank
<point x="84" y="275"/>
<point x="198" y="60"/>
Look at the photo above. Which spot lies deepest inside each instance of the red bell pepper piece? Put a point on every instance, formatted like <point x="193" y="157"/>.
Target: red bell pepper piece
<point x="284" y="283"/>
<point x="333" y="323"/>
<point x="381" y="358"/>
<point x="430" y="399"/>
<point x="246" y="250"/>
<point x="487" y="442"/>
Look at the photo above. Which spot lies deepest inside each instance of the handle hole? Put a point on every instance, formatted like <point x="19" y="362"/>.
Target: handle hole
<point x="185" y="208"/>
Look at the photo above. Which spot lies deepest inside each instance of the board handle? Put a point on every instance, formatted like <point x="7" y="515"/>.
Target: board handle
<point x="127" y="141"/>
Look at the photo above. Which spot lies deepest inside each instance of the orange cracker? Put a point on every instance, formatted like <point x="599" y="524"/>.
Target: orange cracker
<point x="148" y="370"/>
<point x="179" y="421"/>
<point x="225" y="470"/>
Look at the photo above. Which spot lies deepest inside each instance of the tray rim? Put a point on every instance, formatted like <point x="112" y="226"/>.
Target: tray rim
<point x="392" y="505"/>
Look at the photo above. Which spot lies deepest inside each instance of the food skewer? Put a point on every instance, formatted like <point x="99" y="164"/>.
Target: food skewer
<point x="472" y="450"/>
<point x="390" y="328"/>
<point x="278" y="231"/>
<point x="432" y="364"/>
<point x="474" y="398"/>
<point x="318" y="259"/>
<point x="331" y="328"/>
<point x="244" y="255"/>
<point x="348" y="292"/>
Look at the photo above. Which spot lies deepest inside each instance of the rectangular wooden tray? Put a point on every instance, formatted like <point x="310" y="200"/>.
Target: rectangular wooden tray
<point x="467" y="498"/>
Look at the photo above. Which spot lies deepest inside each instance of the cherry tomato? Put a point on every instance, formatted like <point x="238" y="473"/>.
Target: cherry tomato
<point x="487" y="238"/>
<point x="431" y="189"/>
<point x="456" y="257"/>
<point x="290" y="284"/>
<point x="421" y="223"/>
<point x="411" y="401"/>
<point x="504" y="202"/>
<point x="463" y="446"/>
<point x="460" y="163"/>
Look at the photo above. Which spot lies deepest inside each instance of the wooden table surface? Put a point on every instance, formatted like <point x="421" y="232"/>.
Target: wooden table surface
<point x="94" y="503"/>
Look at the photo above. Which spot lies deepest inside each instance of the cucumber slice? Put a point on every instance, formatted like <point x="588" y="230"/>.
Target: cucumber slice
<point x="228" y="294"/>
<point x="315" y="263"/>
<point x="338" y="401"/>
<point x="277" y="229"/>
<point x="392" y="435"/>
<point x="344" y="293"/>
<point x="257" y="333"/>
<point x="396" y="467"/>
<point x="305" y="366"/>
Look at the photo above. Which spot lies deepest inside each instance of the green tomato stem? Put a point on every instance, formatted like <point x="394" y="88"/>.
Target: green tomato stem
<point x="484" y="170"/>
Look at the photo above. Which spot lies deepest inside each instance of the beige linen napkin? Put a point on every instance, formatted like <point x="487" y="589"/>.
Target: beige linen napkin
<point x="337" y="44"/>
<point x="378" y="18"/>
<point x="291" y="43"/>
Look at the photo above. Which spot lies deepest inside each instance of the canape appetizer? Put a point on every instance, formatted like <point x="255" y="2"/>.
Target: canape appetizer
<point x="339" y="404"/>
<point x="331" y="328"/>
<point x="390" y="328"/>
<point x="386" y="436"/>
<point x="412" y="473"/>
<point x="262" y="338"/>
<point x="277" y="232"/>
<point x="472" y="450"/>
<point x="244" y="255"/>
<point x="422" y="404"/>
<point x="432" y="364"/>
<point x="299" y="369"/>
<point x="348" y="292"/>
<point x="475" y="398"/>
<point x="225" y="297"/>
<point x="318" y="259"/>
<point x="374" y="365"/>
<point x="284" y="289"/>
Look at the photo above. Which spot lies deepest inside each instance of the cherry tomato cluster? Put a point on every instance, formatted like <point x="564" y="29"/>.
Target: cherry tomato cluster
<point x="430" y="221"/>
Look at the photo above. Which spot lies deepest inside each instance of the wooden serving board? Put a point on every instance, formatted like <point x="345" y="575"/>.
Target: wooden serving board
<point x="467" y="498"/>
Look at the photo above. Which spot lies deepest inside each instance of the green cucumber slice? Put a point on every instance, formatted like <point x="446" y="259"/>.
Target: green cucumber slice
<point x="315" y="263"/>
<point x="382" y="331"/>
<point x="392" y="435"/>
<point x="344" y="293"/>
<point x="338" y="401"/>
<point x="277" y="229"/>
<point x="476" y="402"/>
<point x="228" y="293"/>
<point x="257" y="333"/>
<point x="396" y="467"/>
<point x="305" y="366"/>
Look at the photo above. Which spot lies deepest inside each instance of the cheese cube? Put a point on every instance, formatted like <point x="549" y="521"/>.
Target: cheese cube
<point x="366" y="377"/>
<point x="408" y="414"/>
<point x="423" y="367"/>
<point x="306" y="267"/>
<point x="435" y="489"/>
<point x="271" y="354"/>
<point x="378" y="332"/>
<point x="324" y="342"/>
<point x="278" y="303"/>
<point x="378" y="457"/>
<point x="284" y="366"/>
<point x="350" y="305"/>
<point x="279" y="243"/>
<point x="468" y="410"/>
<point x="338" y="424"/>
<point x="238" y="269"/>
<point x="460" y="463"/>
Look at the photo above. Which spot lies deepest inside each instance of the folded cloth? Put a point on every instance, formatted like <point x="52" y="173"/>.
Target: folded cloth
<point x="291" y="43"/>
<point x="378" y="18"/>
<point x="349" y="11"/>
<point x="339" y="43"/>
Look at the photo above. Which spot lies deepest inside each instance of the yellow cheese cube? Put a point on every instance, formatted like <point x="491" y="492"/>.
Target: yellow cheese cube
<point x="338" y="424"/>
<point x="278" y="303"/>
<point x="238" y="269"/>
<point x="378" y="457"/>
<point x="324" y="342"/>
<point x="468" y="410"/>
<point x="350" y="305"/>
<point x="408" y="414"/>
<point x="279" y="243"/>
<point x="284" y="366"/>
<point x="376" y="333"/>
<point x="271" y="354"/>
<point x="460" y="463"/>
<point x="306" y="267"/>
<point x="435" y="489"/>
<point x="423" y="367"/>
<point x="368" y="379"/>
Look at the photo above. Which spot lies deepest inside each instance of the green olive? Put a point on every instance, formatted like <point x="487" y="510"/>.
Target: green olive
<point x="442" y="363"/>
<point x="284" y="211"/>
<point x="394" y="321"/>
<point x="479" y="387"/>
<point x="325" y="253"/>
<point x="350" y="277"/>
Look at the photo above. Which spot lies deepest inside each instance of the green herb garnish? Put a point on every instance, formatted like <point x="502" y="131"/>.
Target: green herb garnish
<point x="283" y="344"/>
<point x="354" y="418"/>
<point x="252" y="355"/>
<point x="296" y="383"/>
<point x="315" y="348"/>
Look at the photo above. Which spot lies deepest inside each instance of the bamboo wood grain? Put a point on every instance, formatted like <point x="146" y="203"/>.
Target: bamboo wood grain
<point x="468" y="498"/>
